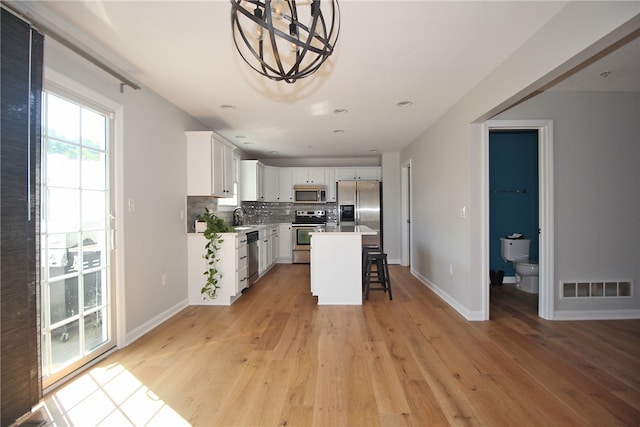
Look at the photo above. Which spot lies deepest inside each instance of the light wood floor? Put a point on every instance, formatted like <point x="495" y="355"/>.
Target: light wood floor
<point x="275" y="358"/>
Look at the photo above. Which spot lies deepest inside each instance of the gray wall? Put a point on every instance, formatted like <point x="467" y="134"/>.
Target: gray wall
<point x="391" y="202"/>
<point x="153" y="175"/>
<point x="447" y="172"/>
<point x="596" y="189"/>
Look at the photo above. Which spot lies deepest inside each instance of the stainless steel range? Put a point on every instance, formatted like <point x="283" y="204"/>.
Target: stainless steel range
<point x="304" y="223"/>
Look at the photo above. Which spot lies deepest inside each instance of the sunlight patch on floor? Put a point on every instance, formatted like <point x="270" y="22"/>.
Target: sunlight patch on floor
<point x="109" y="396"/>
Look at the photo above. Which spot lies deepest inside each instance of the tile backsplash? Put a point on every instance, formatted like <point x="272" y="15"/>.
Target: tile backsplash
<point x="257" y="212"/>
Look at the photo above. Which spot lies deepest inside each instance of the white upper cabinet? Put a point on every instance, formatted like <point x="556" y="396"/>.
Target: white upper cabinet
<point x="209" y="165"/>
<point x="285" y="186"/>
<point x="271" y="184"/>
<point x="222" y="170"/>
<point x="310" y="176"/>
<point x="358" y="174"/>
<point x="251" y="181"/>
<point x="330" y="179"/>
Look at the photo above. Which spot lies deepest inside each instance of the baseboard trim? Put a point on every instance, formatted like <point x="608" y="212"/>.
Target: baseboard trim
<point x="472" y="316"/>
<point x="596" y="314"/>
<point x="155" y="322"/>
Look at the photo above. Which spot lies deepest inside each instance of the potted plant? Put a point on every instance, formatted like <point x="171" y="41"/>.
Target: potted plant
<point x="215" y="226"/>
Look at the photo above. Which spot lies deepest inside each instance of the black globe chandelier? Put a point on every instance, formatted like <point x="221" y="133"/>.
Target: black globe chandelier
<point x="285" y="39"/>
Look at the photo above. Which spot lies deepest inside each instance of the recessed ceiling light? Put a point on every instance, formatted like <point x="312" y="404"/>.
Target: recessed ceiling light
<point x="240" y="136"/>
<point x="338" y="131"/>
<point x="228" y="107"/>
<point x="340" y="111"/>
<point x="273" y="152"/>
<point x="374" y="151"/>
<point x="404" y="104"/>
<point x="247" y="143"/>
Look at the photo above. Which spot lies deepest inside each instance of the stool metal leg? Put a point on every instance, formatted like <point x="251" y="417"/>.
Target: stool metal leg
<point x="387" y="277"/>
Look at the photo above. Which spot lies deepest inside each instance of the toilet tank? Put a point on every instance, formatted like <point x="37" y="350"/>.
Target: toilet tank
<point x="515" y="249"/>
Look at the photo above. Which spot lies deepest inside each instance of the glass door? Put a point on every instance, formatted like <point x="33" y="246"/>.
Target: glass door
<point x="77" y="312"/>
<point x="302" y="237"/>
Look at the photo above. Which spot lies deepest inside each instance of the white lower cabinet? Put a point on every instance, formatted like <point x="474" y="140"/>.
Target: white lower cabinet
<point x="264" y="249"/>
<point x="242" y="269"/>
<point x="285" y="235"/>
<point x="268" y="247"/>
<point x="232" y="265"/>
<point x="275" y="244"/>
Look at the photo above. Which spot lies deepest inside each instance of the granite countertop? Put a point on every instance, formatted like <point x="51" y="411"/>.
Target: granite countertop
<point x="242" y="229"/>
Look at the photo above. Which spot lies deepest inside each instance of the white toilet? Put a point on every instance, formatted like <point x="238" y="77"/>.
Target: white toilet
<point x="517" y="251"/>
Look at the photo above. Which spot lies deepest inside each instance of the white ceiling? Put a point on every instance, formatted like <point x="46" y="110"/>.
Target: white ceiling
<point x="428" y="52"/>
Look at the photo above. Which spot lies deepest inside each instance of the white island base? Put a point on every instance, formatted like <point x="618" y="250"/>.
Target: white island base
<point x="336" y="265"/>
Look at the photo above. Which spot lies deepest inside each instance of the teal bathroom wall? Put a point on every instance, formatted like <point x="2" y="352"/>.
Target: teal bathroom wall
<point x="513" y="191"/>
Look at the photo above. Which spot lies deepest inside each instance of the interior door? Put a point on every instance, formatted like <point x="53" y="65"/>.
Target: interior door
<point x="77" y="311"/>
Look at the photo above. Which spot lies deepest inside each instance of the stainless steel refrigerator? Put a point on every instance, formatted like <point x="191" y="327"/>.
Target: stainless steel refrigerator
<point x="360" y="203"/>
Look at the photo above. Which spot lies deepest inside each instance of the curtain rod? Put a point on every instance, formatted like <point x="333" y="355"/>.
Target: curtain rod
<point x="69" y="45"/>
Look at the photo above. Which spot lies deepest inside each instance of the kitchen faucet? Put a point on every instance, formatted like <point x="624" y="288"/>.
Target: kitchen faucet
<point x="238" y="216"/>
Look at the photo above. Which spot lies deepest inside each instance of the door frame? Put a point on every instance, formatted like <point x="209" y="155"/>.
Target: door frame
<point x="406" y="214"/>
<point x="117" y="168"/>
<point x="546" y="210"/>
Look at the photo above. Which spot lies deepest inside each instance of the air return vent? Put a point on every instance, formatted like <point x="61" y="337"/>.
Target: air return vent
<point x="602" y="289"/>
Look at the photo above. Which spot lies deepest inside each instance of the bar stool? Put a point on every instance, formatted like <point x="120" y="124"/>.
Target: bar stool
<point x="380" y="275"/>
<point x="365" y="251"/>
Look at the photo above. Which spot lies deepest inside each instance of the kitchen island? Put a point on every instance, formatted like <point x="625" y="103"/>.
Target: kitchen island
<point x="336" y="264"/>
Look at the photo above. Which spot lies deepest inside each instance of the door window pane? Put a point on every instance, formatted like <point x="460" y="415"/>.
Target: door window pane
<point x="63" y="297"/>
<point x="95" y="330"/>
<point x="93" y="210"/>
<point x="63" y="119"/>
<point x="94" y="289"/>
<point x="93" y="169"/>
<point x="62" y="164"/>
<point x="93" y="129"/>
<point x="63" y="210"/>
<point x="59" y="261"/>
<point x="65" y="343"/>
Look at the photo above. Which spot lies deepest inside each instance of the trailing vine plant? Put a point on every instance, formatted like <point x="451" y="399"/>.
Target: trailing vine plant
<point x="215" y="226"/>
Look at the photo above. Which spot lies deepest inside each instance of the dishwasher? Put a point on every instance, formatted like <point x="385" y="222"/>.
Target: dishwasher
<point x="252" y="257"/>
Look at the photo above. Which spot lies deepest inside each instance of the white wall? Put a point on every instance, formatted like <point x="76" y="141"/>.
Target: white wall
<point x="445" y="158"/>
<point x="391" y="202"/>
<point x="596" y="155"/>
<point x="154" y="177"/>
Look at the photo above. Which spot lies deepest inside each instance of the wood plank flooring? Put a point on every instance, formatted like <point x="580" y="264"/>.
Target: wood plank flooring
<point x="275" y="358"/>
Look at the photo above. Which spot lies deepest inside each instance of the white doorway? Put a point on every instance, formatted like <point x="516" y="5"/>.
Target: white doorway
<point x="405" y="183"/>
<point x="545" y="188"/>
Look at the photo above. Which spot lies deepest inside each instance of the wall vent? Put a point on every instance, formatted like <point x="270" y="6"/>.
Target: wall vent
<point x="600" y="289"/>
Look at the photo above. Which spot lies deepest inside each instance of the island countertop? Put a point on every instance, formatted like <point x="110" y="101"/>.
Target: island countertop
<point x="362" y="230"/>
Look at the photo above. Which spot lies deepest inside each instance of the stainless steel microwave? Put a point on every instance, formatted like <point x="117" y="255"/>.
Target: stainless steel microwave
<point x="310" y="193"/>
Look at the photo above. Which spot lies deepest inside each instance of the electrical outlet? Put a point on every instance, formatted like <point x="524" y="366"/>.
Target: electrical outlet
<point x="463" y="212"/>
<point x="131" y="205"/>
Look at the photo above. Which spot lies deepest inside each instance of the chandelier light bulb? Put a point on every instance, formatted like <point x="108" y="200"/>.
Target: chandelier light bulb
<point x="257" y="32"/>
<point x="277" y="9"/>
